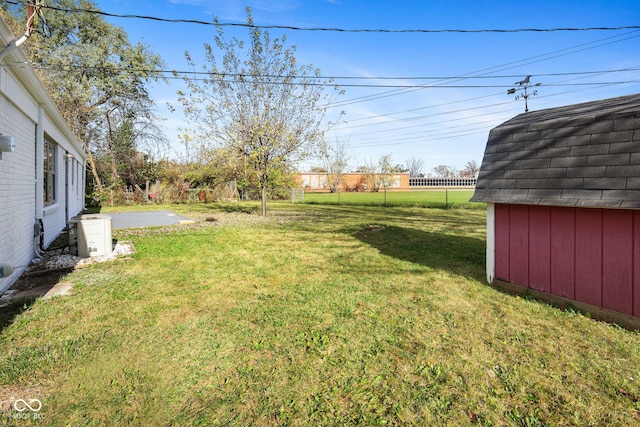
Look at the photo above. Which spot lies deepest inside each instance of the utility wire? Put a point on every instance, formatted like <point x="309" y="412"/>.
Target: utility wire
<point x="398" y="88"/>
<point x="332" y="79"/>
<point x="401" y="87"/>
<point x="331" y="29"/>
<point x="427" y="135"/>
<point x="491" y="70"/>
<point x="378" y="116"/>
<point x="413" y="118"/>
<point x="328" y="80"/>
<point x="422" y="133"/>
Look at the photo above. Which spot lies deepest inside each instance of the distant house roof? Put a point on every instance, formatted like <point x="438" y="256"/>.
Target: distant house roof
<point x="577" y="155"/>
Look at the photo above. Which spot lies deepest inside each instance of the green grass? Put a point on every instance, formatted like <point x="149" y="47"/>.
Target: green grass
<point x="417" y="198"/>
<point x="315" y="316"/>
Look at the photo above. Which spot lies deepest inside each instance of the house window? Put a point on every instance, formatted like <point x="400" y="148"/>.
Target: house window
<point x="50" y="165"/>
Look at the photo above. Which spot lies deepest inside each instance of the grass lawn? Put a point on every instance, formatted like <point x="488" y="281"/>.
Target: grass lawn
<point x="315" y="316"/>
<point x="416" y="198"/>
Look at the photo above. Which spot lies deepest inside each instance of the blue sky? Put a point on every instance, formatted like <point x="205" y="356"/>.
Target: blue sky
<point x="440" y="125"/>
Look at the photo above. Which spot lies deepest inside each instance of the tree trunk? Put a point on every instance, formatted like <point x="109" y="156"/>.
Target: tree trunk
<point x="94" y="169"/>
<point x="264" y="199"/>
<point x="115" y="176"/>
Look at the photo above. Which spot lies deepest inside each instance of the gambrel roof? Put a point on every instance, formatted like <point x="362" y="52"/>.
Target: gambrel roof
<point x="577" y="155"/>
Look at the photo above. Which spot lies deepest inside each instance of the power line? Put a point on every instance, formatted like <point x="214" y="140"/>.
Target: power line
<point x="490" y="70"/>
<point x="582" y="73"/>
<point x="177" y="73"/>
<point x="328" y="81"/>
<point x="437" y="133"/>
<point x="397" y="88"/>
<point x="440" y="122"/>
<point x="430" y="135"/>
<point x="423" y="108"/>
<point x="332" y="29"/>
<point x="413" y="118"/>
<point x="423" y="134"/>
<point x="404" y="88"/>
<point x="437" y="137"/>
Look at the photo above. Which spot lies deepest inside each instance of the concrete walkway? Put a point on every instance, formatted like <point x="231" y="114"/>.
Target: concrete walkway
<point x="146" y="219"/>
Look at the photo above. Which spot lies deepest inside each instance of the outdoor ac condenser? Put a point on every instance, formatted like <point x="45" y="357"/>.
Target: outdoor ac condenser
<point x="90" y="235"/>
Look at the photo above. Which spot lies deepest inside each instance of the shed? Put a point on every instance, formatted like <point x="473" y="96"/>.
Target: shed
<point x="42" y="172"/>
<point x="562" y="188"/>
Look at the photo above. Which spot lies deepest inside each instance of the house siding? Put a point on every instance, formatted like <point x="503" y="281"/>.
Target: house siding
<point x="587" y="255"/>
<point x="17" y="190"/>
<point x="27" y="113"/>
<point x="54" y="215"/>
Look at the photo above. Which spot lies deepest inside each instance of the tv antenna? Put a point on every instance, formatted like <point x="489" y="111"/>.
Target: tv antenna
<point x="524" y="85"/>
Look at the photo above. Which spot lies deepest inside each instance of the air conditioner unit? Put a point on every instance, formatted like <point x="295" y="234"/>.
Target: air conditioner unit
<point x="90" y="235"/>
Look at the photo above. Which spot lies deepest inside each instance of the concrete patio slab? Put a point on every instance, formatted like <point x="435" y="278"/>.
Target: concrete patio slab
<point x="146" y="219"/>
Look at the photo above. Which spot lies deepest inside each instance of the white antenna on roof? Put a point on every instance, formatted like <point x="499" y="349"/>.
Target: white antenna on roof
<point x="524" y="84"/>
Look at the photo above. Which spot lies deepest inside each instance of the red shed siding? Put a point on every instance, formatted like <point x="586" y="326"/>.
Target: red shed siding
<point x="589" y="255"/>
<point x="502" y="243"/>
<point x="519" y="244"/>
<point x="636" y="262"/>
<point x="563" y="253"/>
<point x="617" y="260"/>
<point x="540" y="248"/>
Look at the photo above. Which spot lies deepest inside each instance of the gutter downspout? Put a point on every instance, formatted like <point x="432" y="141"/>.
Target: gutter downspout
<point x="31" y="13"/>
<point x="40" y="164"/>
<point x="13" y="45"/>
<point x="38" y="234"/>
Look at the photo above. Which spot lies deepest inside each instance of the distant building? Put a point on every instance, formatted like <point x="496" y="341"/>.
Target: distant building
<point x="320" y="182"/>
<point x="415" y="182"/>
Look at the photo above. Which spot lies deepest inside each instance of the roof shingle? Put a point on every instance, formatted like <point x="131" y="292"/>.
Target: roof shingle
<point x="576" y="155"/>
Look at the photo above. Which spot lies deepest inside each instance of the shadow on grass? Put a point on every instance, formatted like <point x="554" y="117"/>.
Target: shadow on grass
<point x="405" y="204"/>
<point x="13" y="309"/>
<point x="226" y="207"/>
<point x="26" y="291"/>
<point x="456" y="254"/>
<point x="462" y="220"/>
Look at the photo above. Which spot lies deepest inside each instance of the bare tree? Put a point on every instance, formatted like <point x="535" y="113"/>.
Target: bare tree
<point x="257" y="100"/>
<point x="335" y="158"/>
<point x="386" y="170"/>
<point x="444" y="171"/>
<point x="379" y="174"/>
<point x="369" y="171"/>
<point x="471" y="169"/>
<point x="415" y="166"/>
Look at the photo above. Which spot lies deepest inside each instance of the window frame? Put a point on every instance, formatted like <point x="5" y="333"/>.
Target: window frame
<point x="50" y="168"/>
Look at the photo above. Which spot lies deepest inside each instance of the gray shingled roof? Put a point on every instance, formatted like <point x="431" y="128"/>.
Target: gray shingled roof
<point x="577" y="155"/>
